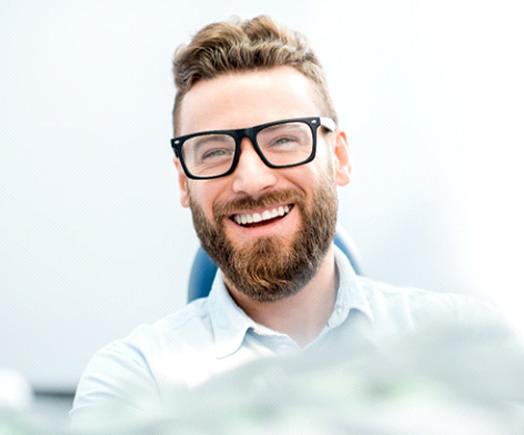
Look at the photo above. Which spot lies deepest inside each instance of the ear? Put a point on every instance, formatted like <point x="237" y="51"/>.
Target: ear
<point x="182" y="184"/>
<point x="342" y="159"/>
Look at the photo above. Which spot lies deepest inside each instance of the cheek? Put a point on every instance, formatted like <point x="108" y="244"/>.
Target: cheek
<point x="325" y="168"/>
<point x="205" y="194"/>
<point x="318" y="171"/>
<point x="326" y="157"/>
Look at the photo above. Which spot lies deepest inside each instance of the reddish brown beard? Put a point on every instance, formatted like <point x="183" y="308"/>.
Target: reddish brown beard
<point x="264" y="269"/>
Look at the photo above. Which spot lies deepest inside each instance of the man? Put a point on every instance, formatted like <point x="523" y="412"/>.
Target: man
<point x="259" y="156"/>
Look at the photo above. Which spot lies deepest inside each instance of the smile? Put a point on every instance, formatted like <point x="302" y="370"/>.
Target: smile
<point x="249" y="219"/>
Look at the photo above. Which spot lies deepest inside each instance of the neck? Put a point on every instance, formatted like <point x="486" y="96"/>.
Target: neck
<point x="303" y="315"/>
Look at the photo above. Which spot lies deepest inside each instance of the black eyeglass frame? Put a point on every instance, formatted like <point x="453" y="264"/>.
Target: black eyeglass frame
<point x="251" y="133"/>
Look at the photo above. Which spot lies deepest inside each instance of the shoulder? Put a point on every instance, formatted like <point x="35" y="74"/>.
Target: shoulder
<point x="127" y="373"/>
<point x="417" y="307"/>
<point x="189" y="324"/>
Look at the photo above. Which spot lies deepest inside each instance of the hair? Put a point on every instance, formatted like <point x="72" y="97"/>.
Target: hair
<point x="245" y="45"/>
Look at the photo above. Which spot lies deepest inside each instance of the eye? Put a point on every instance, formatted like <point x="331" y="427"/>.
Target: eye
<point x="283" y="141"/>
<point x="215" y="153"/>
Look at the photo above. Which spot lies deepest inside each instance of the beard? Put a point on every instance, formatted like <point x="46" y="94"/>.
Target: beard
<point x="265" y="269"/>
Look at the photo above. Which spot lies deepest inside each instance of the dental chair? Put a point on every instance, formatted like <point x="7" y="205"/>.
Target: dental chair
<point x="204" y="269"/>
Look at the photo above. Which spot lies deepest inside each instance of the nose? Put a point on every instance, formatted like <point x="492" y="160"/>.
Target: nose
<point x="252" y="177"/>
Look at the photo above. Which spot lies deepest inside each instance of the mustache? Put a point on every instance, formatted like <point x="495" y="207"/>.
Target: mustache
<point x="226" y="209"/>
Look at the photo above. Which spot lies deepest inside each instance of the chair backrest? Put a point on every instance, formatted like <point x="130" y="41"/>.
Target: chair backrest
<point x="204" y="269"/>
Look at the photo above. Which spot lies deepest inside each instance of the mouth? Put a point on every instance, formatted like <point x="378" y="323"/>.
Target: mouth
<point x="262" y="217"/>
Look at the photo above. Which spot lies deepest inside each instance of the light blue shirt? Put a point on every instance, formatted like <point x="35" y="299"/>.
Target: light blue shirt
<point x="213" y="335"/>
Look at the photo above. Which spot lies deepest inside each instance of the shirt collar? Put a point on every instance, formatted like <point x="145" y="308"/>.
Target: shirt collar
<point x="230" y="323"/>
<point x="350" y="295"/>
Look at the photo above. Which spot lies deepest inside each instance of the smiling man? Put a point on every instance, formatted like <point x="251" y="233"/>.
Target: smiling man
<point x="259" y="155"/>
<point x="264" y="203"/>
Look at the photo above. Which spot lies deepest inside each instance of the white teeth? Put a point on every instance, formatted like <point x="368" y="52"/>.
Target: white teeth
<point x="243" y="219"/>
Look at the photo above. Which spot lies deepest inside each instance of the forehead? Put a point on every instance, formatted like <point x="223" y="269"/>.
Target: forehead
<point x="249" y="98"/>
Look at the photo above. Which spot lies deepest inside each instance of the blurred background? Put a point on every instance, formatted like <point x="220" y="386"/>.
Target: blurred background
<point x="93" y="241"/>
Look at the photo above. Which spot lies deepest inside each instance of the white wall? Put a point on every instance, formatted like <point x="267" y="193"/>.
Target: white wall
<point x="92" y="239"/>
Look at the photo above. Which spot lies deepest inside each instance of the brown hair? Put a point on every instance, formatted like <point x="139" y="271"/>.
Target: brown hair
<point x="243" y="45"/>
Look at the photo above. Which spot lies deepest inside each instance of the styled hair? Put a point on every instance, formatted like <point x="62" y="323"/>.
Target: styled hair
<point x="245" y="45"/>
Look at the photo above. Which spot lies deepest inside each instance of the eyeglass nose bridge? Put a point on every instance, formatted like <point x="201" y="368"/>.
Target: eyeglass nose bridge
<point x="251" y="134"/>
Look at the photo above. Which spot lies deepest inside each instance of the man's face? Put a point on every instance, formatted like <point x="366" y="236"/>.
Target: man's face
<point x="276" y="257"/>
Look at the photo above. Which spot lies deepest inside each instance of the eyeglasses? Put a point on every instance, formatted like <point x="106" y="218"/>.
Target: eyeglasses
<point x="279" y="144"/>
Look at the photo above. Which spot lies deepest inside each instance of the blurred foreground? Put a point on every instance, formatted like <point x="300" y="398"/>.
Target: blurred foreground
<point x="440" y="381"/>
